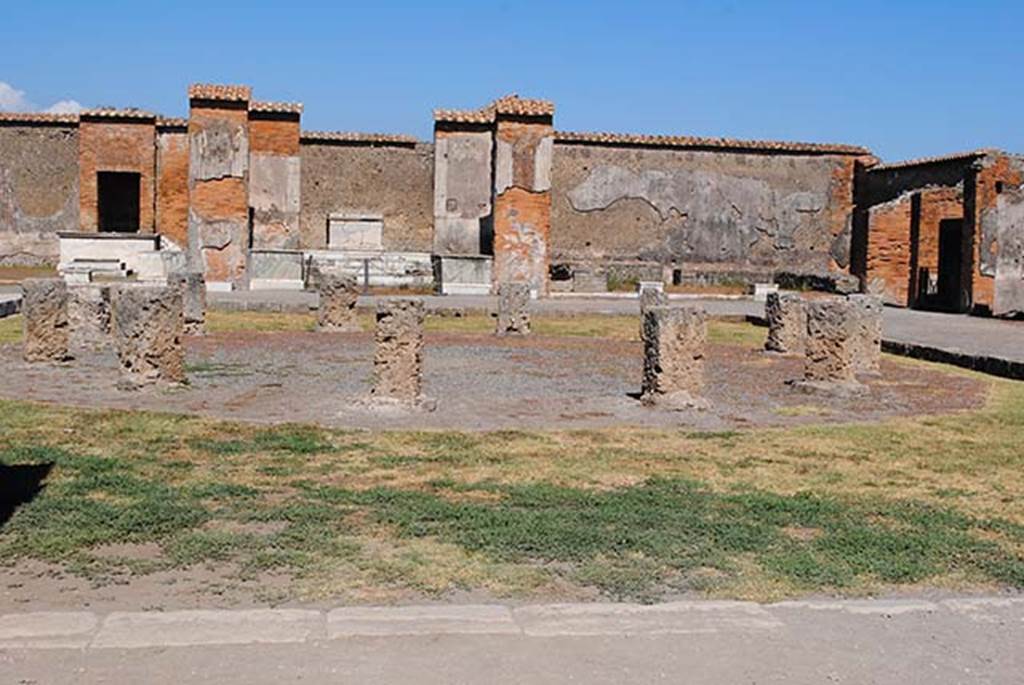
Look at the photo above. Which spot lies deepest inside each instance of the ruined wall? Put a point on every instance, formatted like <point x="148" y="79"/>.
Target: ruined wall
<point x="1008" y="298"/>
<point x="394" y="179"/>
<point x="462" y="189"/>
<point x="933" y="206"/>
<point x="888" y="251"/>
<point x="172" y="184"/>
<point x="522" y="200"/>
<point x="38" y="189"/>
<point x="993" y="174"/>
<point x="702" y="208"/>
<point x="274" y="179"/>
<point x="114" y="143"/>
<point x="218" y="134"/>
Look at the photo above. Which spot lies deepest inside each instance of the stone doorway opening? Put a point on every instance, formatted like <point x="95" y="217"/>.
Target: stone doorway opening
<point x="118" y="201"/>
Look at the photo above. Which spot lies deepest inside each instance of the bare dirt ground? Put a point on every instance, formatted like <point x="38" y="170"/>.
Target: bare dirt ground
<point x="479" y="382"/>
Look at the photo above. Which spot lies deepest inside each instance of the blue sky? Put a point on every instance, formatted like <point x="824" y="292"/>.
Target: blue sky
<point x="905" y="77"/>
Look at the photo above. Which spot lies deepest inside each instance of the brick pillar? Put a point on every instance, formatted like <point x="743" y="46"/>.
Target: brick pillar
<point x="524" y="137"/>
<point x="218" y="217"/>
<point x="274" y="174"/>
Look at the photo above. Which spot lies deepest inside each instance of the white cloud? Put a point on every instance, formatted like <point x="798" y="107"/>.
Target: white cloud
<point x="64" y="107"/>
<point x="14" y="100"/>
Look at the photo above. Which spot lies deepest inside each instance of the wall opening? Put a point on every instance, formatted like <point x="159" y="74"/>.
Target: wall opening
<point x="118" y="201"/>
<point x="950" y="264"/>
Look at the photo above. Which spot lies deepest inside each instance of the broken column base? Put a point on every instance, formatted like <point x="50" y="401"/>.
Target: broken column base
<point x="675" y="401"/>
<point x="843" y="390"/>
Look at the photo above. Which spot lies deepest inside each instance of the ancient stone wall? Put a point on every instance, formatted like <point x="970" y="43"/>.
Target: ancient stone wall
<point x="109" y="141"/>
<point x="674" y="339"/>
<point x="44" y="309"/>
<point x="993" y="174"/>
<point x="522" y="200"/>
<point x="398" y="355"/>
<point x="38" y="187"/>
<point x="172" y="183"/>
<point x="89" y="316"/>
<point x="712" y="209"/>
<point x="275" y="170"/>
<point x="147" y="325"/>
<point x="513" y="309"/>
<point x="218" y="230"/>
<point x="393" y="179"/>
<point x="462" y="188"/>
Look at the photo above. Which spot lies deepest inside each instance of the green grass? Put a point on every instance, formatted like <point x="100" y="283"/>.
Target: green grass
<point x="934" y="501"/>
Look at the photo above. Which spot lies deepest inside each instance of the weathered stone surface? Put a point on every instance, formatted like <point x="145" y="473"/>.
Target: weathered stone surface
<point x="148" y="324"/>
<point x="830" y="347"/>
<point x="44" y="311"/>
<point x="513" y="309"/>
<point x="1009" y="264"/>
<point x="867" y="339"/>
<point x="674" y="339"/>
<point x="193" y="295"/>
<point x="787" y="323"/>
<point x="650" y="296"/>
<point x="89" y="316"/>
<point x="338" y="295"/>
<point x="398" y="358"/>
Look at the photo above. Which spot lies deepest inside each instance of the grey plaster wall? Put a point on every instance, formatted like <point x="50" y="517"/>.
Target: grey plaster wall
<point x="691" y="206"/>
<point x="38" y="191"/>
<point x="274" y="195"/>
<point x="1009" y="266"/>
<point x="395" y="181"/>
<point x="462" y="191"/>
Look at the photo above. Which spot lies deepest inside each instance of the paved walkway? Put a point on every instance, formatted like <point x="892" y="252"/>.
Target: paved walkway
<point x="853" y="641"/>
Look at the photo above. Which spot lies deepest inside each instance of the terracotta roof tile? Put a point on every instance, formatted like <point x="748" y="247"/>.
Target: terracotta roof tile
<point x="355" y="137"/>
<point x="171" y="122"/>
<point x="114" y="113"/>
<point x="38" y="118"/>
<point x="484" y="115"/>
<point x="953" y="157"/>
<point x="214" y="91"/>
<point x="698" y="142"/>
<point x="517" y="106"/>
<point x="276" y="107"/>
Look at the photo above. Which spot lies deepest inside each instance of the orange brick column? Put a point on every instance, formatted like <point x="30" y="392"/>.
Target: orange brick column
<point x="275" y="174"/>
<point x="218" y="217"/>
<point x="524" y="136"/>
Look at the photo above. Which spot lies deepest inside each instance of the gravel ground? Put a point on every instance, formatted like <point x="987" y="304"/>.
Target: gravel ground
<point x="479" y="382"/>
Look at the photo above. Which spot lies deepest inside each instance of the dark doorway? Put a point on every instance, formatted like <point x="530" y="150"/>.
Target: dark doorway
<point x="118" y="201"/>
<point x="950" y="264"/>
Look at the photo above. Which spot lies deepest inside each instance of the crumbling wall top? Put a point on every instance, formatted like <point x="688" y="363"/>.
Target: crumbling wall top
<point x="213" y="91"/>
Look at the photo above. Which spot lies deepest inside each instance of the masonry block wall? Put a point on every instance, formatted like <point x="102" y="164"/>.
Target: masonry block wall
<point x="390" y="176"/>
<point x="218" y="132"/>
<point x="523" y="143"/>
<point x="172" y="180"/>
<point x="463" y="153"/>
<point x="118" y="141"/>
<point x="705" y="205"/>
<point x="38" y="185"/>
<point x="275" y="173"/>
<point x="990" y="176"/>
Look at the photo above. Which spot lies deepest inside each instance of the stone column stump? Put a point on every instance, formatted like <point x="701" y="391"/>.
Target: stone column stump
<point x="829" y="349"/>
<point x="44" y="309"/>
<point x="337" y="308"/>
<point x="513" y="309"/>
<point x="398" y="357"/>
<point x="867" y="340"/>
<point x="787" y="323"/>
<point x="89" y="316"/>
<point x="193" y="295"/>
<point x="674" y="339"/>
<point x="650" y="295"/>
<point x="148" y="324"/>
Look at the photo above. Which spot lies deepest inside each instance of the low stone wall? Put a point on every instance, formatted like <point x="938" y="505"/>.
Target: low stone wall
<point x="45" y="322"/>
